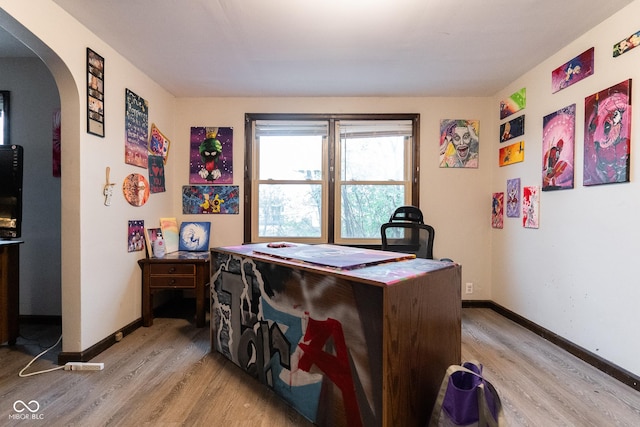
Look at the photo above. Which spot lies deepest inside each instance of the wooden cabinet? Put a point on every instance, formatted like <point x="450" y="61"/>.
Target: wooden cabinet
<point x="179" y="271"/>
<point x="361" y="344"/>
<point x="9" y="290"/>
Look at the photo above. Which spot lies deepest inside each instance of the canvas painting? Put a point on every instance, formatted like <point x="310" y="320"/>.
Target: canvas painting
<point x="136" y="130"/>
<point x="512" y="129"/>
<point x="573" y="71"/>
<point x="627" y="44"/>
<point x="194" y="236"/>
<point x="511" y="105"/>
<point x="158" y="143"/>
<point x="459" y="143"/>
<point x="558" y="142"/>
<point x="510" y="154"/>
<point x="607" y="133"/>
<point x="170" y="234"/>
<point x="135" y="236"/>
<point x="210" y="199"/>
<point x="530" y="207"/>
<point x="211" y="155"/>
<point x="513" y="198"/>
<point x="156" y="174"/>
<point x="497" y="210"/>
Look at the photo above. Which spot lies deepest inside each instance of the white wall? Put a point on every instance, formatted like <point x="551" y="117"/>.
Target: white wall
<point x="576" y="274"/>
<point x="34" y="98"/>
<point x="452" y="200"/>
<point x="100" y="279"/>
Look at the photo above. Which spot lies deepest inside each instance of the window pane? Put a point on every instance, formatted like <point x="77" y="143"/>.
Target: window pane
<point x="290" y="157"/>
<point x="373" y="159"/>
<point x="364" y="208"/>
<point x="289" y="210"/>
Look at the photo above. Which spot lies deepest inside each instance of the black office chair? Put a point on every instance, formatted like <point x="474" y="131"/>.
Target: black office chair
<point x="408" y="237"/>
<point x="407" y="213"/>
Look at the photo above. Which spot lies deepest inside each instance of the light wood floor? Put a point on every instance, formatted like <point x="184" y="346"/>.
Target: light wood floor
<point x="165" y="376"/>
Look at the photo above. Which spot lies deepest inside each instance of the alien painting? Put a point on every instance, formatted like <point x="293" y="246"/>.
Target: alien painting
<point x="607" y="133"/>
<point x="210" y="160"/>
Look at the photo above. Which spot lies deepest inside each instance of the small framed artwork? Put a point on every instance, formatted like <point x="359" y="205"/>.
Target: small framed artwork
<point x="512" y="128"/>
<point x="194" y="236"/>
<point x="531" y="207"/>
<point x="627" y="44"/>
<point x="95" y="93"/>
<point x="510" y="154"/>
<point x="513" y="198"/>
<point x="558" y="131"/>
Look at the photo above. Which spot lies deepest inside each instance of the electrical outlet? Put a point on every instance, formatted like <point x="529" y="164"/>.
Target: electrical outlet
<point x="469" y="288"/>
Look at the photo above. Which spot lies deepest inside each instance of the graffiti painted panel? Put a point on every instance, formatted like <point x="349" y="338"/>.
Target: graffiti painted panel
<point x="208" y="199"/>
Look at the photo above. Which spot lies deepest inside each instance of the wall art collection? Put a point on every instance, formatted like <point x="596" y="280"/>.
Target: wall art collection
<point x="607" y="137"/>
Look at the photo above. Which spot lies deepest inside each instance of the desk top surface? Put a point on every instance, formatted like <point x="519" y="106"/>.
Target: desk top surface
<point x="180" y="256"/>
<point x="368" y="265"/>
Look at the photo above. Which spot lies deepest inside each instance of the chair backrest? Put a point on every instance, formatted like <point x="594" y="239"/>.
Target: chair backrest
<point x="408" y="237"/>
<point x="407" y="213"/>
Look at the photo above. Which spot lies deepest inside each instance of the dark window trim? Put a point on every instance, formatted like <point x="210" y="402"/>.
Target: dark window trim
<point x="331" y="118"/>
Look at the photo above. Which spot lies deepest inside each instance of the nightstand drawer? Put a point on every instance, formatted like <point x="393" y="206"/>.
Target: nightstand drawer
<point x="164" y="268"/>
<point x="165" y="282"/>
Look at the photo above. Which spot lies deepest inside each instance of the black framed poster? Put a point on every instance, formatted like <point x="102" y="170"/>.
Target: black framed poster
<point x="95" y="93"/>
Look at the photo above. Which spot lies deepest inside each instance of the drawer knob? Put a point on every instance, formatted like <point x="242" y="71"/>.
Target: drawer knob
<point x="172" y="270"/>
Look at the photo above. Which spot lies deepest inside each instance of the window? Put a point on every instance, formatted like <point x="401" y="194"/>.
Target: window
<point x="327" y="178"/>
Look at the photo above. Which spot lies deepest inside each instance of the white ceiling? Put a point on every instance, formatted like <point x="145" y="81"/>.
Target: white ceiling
<point x="207" y="48"/>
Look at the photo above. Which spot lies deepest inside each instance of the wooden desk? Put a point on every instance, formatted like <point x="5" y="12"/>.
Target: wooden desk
<point x="179" y="271"/>
<point x="364" y="346"/>
<point x="9" y="290"/>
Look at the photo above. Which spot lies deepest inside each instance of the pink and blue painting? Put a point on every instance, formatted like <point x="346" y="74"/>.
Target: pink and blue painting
<point x="497" y="210"/>
<point x="194" y="236"/>
<point x="573" y="71"/>
<point x="607" y="133"/>
<point x="211" y="155"/>
<point x="210" y="199"/>
<point x="558" y="142"/>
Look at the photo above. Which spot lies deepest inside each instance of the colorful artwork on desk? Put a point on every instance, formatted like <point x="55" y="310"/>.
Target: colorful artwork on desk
<point x="135" y="235"/>
<point x="558" y="136"/>
<point x="497" y="210"/>
<point x="607" y="135"/>
<point x="514" y="103"/>
<point x="573" y="71"/>
<point x="136" y="130"/>
<point x="513" y="198"/>
<point x="306" y="352"/>
<point x="194" y="236"/>
<point x="531" y="207"/>
<point x="627" y="44"/>
<point x="210" y="199"/>
<point x="211" y="155"/>
<point x="510" y="154"/>
<point x="512" y="129"/>
<point x="459" y="143"/>
<point x="170" y="234"/>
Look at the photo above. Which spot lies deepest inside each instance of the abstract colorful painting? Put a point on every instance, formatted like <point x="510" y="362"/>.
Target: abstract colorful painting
<point x="459" y="143"/>
<point x="558" y="142"/>
<point x="211" y="155"/>
<point x="531" y="207"/>
<point x="513" y="198"/>
<point x="194" y="236"/>
<point x="497" y="210"/>
<point x="512" y="129"/>
<point x="170" y="234"/>
<point x="136" y="119"/>
<point x="607" y="133"/>
<point x="209" y="199"/>
<point x="573" y="71"/>
<point x="135" y="235"/>
<point x="510" y="154"/>
<point x="627" y="44"/>
<point x="516" y="102"/>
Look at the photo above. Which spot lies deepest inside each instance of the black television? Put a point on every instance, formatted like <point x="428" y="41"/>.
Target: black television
<point x="11" y="158"/>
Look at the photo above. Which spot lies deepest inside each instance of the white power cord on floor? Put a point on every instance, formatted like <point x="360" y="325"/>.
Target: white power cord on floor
<point x="36" y="358"/>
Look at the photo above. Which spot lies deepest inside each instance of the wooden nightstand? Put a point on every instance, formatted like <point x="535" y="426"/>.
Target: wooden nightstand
<point x="179" y="271"/>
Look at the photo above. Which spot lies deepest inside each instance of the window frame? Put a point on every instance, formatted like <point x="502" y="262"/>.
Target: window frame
<point x="413" y="157"/>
